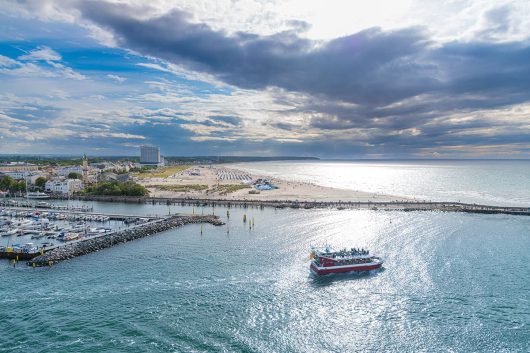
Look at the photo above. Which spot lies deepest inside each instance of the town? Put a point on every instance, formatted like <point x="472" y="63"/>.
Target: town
<point x="71" y="176"/>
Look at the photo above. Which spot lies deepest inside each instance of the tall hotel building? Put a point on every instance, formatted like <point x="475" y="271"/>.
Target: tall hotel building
<point x="150" y="155"/>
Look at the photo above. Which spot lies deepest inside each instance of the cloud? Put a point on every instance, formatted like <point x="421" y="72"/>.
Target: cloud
<point x="116" y="78"/>
<point x="7" y="62"/>
<point x="375" y="91"/>
<point x="41" y="53"/>
<point x="372" y="68"/>
<point x="40" y="62"/>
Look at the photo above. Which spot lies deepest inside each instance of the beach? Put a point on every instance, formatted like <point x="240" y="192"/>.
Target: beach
<point x="227" y="182"/>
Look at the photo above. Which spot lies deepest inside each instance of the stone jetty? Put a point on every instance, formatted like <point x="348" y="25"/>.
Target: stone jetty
<point x="89" y="245"/>
<point x="412" y="205"/>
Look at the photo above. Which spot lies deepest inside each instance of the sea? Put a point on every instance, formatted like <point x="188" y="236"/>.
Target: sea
<point x="491" y="182"/>
<point x="451" y="282"/>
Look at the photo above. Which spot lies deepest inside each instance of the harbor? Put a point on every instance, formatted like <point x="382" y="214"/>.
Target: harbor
<point x="52" y="233"/>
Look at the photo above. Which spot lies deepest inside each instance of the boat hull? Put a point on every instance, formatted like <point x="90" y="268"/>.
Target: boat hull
<point x="319" y="271"/>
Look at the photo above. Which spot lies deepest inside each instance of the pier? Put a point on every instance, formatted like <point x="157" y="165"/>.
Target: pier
<point x="398" y="205"/>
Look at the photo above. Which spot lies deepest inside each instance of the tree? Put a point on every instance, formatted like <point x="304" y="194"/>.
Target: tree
<point x="6" y="183"/>
<point x="40" y="182"/>
<point x="113" y="188"/>
<point x="18" y="186"/>
<point x="74" y="175"/>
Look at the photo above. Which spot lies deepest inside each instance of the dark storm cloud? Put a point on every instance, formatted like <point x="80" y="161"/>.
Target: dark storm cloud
<point x="372" y="67"/>
<point x="367" y="66"/>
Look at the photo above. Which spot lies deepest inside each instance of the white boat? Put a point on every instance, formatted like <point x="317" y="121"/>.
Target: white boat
<point x="37" y="195"/>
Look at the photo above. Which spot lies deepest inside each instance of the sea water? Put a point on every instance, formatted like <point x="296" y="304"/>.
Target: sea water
<point x="494" y="182"/>
<point x="451" y="282"/>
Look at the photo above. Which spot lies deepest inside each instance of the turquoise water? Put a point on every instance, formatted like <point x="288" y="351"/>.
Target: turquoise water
<point x="451" y="282"/>
<point x="500" y="182"/>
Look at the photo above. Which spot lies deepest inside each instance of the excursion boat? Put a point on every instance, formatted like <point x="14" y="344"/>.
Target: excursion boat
<point x="325" y="261"/>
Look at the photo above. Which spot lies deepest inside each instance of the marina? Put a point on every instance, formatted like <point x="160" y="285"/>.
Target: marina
<point x="35" y="232"/>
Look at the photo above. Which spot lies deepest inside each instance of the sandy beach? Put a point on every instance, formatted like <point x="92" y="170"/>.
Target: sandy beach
<point x="226" y="182"/>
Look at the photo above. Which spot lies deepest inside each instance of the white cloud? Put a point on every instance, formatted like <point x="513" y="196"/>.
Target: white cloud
<point x="7" y="62"/>
<point x="116" y="78"/>
<point x="184" y="73"/>
<point x="28" y="70"/>
<point x="66" y="71"/>
<point x="41" y="53"/>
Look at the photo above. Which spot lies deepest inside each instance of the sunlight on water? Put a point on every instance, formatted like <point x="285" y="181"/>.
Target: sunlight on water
<point x="493" y="182"/>
<point x="450" y="282"/>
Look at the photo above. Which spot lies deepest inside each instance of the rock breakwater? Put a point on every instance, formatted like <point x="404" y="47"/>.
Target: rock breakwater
<point x="87" y="246"/>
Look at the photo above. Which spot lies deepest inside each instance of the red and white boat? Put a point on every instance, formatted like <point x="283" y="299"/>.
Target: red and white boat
<point x="325" y="261"/>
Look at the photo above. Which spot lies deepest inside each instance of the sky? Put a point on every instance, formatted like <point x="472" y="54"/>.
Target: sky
<point x="331" y="79"/>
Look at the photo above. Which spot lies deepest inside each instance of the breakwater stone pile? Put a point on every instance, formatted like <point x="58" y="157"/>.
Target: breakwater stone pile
<point x="87" y="246"/>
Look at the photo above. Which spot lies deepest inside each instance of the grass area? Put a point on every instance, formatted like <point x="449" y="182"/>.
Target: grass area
<point x="162" y="172"/>
<point x="181" y="187"/>
<point x="114" y="188"/>
<point x="224" y="189"/>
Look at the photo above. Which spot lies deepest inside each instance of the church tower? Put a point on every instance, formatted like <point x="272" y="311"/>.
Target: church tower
<point x="85" y="169"/>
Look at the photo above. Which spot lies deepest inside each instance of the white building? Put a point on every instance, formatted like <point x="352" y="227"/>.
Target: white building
<point x="150" y="155"/>
<point x="64" y="186"/>
<point x="18" y="175"/>
<point x="28" y="177"/>
<point x="64" y="171"/>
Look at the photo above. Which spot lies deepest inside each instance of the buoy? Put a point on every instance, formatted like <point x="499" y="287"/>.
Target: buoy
<point x="244" y="218"/>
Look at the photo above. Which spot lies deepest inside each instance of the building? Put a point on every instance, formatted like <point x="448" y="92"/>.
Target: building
<point x="150" y="155"/>
<point x="18" y="175"/>
<point x="18" y="167"/>
<point x="64" y="186"/>
<point x="64" y="171"/>
<point x="28" y="177"/>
